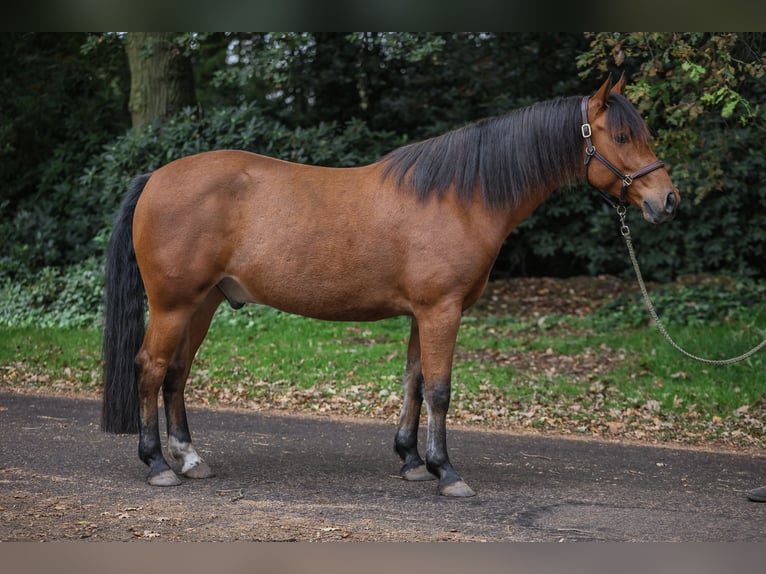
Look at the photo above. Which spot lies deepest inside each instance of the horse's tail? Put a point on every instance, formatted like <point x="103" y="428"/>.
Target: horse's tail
<point x="124" y="320"/>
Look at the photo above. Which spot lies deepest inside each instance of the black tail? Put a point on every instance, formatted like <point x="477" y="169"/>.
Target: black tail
<point x="124" y="321"/>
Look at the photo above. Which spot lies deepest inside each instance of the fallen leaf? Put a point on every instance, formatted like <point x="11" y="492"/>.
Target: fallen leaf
<point x="615" y="427"/>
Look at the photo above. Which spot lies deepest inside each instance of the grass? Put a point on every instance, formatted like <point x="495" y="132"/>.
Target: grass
<point x="600" y="374"/>
<point x="60" y="360"/>
<point x="261" y="347"/>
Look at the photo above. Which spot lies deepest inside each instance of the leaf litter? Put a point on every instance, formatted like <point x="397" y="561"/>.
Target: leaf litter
<point x="600" y="411"/>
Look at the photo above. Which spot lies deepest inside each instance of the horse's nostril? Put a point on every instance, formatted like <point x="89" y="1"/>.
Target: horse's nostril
<point x="670" y="202"/>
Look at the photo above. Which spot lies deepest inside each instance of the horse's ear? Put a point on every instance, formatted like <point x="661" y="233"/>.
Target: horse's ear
<point x="619" y="87"/>
<point x="598" y="100"/>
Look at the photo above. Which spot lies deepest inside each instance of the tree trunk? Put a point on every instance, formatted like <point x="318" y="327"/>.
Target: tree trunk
<point x="161" y="77"/>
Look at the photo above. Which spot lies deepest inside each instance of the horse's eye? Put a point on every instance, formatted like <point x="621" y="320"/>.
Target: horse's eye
<point x="621" y="138"/>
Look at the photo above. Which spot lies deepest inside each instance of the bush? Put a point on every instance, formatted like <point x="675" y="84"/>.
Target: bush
<point x="693" y="300"/>
<point x="239" y="127"/>
<point x="572" y="233"/>
<point x="55" y="298"/>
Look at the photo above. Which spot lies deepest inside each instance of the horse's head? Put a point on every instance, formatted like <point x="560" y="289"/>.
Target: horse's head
<point x="615" y="135"/>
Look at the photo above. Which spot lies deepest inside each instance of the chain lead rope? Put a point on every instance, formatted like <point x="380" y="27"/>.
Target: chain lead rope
<point x="625" y="232"/>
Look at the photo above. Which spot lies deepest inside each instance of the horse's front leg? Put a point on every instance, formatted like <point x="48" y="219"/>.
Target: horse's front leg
<point x="406" y="441"/>
<point x="438" y="332"/>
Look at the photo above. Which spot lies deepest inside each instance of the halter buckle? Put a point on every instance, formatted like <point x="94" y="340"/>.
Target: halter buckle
<point x="627" y="181"/>
<point x="586" y="131"/>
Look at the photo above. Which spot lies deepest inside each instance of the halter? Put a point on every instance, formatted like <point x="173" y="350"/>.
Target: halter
<point x="591" y="152"/>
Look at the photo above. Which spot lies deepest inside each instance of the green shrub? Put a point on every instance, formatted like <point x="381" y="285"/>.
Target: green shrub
<point x="694" y="300"/>
<point x="55" y="298"/>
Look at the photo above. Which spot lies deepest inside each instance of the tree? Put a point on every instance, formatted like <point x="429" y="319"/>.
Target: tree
<point x="161" y="76"/>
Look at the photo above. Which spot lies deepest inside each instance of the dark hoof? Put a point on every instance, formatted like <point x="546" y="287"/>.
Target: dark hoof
<point x="458" y="489"/>
<point x="165" y="478"/>
<point x="757" y="494"/>
<point x="417" y="474"/>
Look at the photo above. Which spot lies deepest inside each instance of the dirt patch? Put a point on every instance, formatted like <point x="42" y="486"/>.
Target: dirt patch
<point x="537" y="296"/>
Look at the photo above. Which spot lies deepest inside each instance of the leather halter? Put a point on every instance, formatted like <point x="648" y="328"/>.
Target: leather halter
<point x="591" y="152"/>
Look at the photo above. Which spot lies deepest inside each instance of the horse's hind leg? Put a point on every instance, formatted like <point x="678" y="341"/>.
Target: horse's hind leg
<point x="179" y="438"/>
<point x="164" y="334"/>
<point x="406" y="441"/>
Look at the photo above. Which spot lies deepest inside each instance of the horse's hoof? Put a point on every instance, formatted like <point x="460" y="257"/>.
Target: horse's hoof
<point x="165" y="478"/>
<point x="202" y="470"/>
<point x="457" y="489"/>
<point x="417" y="474"/>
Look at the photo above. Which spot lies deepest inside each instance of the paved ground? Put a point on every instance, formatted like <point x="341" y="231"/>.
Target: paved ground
<point x="299" y="478"/>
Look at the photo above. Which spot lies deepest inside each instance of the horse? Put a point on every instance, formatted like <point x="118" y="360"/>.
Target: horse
<point x="415" y="233"/>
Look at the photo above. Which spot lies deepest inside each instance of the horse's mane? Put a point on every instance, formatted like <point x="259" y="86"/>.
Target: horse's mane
<point x="529" y="151"/>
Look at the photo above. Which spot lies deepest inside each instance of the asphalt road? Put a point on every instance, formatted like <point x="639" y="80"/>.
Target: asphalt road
<point x="303" y="478"/>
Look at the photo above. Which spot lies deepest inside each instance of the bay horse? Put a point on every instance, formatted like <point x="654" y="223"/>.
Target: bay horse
<point x="415" y="233"/>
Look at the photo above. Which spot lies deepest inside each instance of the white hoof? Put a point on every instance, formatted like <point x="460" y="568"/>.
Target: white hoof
<point x="165" y="478"/>
<point x="457" y="489"/>
<point x="417" y="474"/>
<point x="201" y="470"/>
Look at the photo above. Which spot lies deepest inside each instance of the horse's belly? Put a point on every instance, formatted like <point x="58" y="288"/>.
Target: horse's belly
<point x="334" y="301"/>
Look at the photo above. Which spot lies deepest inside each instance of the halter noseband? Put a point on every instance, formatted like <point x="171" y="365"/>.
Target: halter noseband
<point x="591" y="152"/>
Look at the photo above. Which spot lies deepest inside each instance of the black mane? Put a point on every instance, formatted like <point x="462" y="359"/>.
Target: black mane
<point x="529" y="151"/>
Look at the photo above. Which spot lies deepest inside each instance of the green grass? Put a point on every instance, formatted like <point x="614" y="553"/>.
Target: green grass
<point x="54" y="358"/>
<point x="599" y="374"/>
<point x="261" y="344"/>
<point x="678" y="382"/>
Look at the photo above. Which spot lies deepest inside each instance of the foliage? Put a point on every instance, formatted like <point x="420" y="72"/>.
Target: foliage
<point x="236" y="127"/>
<point x="28" y="296"/>
<point x="58" y="109"/>
<point x="692" y="301"/>
<point x="55" y="298"/>
<point x="420" y="83"/>
<point x="345" y="99"/>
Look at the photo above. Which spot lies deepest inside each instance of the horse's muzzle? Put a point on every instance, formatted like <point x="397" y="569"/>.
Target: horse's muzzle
<point x="655" y="213"/>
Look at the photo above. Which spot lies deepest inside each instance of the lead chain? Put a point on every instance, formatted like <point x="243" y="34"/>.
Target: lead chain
<point x="625" y="232"/>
